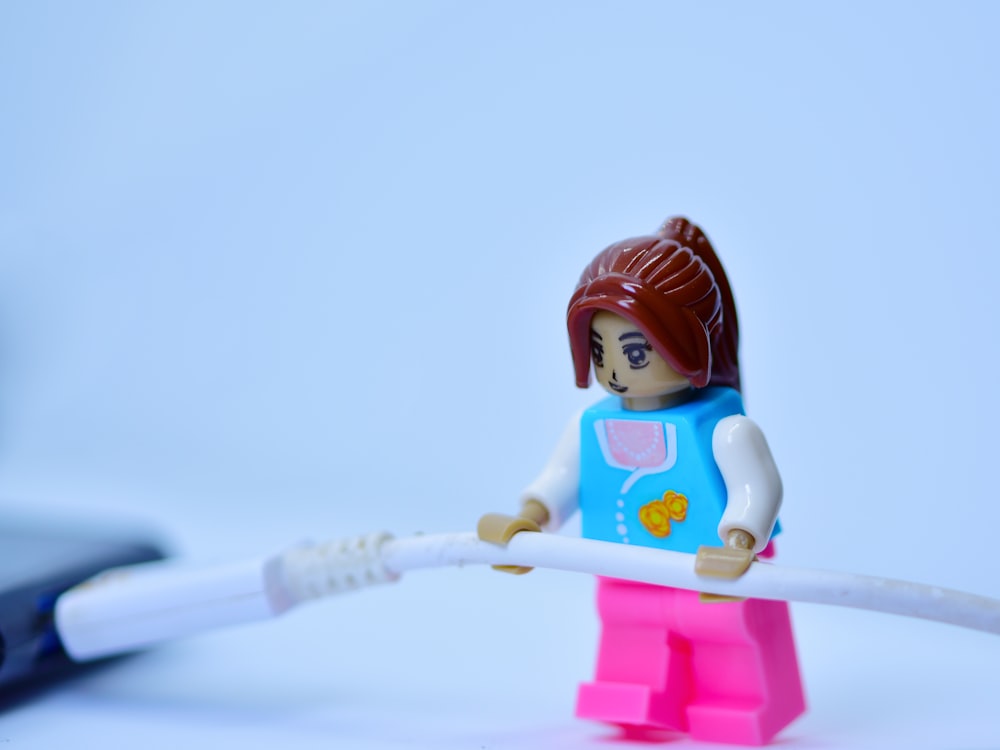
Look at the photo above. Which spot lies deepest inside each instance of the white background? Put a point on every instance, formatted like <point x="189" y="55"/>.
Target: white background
<point x="269" y="272"/>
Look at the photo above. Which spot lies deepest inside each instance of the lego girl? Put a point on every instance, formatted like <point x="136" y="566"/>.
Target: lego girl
<point x="669" y="460"/>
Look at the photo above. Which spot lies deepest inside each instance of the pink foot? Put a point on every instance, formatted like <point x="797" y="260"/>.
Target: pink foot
<point x="628" y="705"/>
<point x="737" y="723"/>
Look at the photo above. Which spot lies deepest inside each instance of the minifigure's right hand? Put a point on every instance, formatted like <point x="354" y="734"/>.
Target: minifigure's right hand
<point x="498" y="528"/>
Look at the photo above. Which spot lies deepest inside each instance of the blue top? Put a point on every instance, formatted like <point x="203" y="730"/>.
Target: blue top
<point x="650" y="477"/>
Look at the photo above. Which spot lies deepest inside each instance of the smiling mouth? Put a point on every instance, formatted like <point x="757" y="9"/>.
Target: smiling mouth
<point x="617" y="388"/>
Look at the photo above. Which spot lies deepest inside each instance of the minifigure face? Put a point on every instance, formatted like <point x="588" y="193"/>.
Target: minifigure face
<point x="626" y="364"/>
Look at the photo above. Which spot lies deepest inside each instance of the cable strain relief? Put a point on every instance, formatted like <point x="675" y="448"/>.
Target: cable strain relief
<point x="335" y="567"/>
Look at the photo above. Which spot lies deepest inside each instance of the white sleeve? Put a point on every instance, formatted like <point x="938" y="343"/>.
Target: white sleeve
<point x="558" y="486"/>
<point x="753" y="485"/>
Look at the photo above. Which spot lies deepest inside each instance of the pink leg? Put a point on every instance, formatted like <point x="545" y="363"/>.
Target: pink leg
<point x="643" y="669"/>
<point x="746" y="684"/>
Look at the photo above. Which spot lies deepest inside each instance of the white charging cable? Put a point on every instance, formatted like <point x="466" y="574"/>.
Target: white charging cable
<point x="129" y="608"/>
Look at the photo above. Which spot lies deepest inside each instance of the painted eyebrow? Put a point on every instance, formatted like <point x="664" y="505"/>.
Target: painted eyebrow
<point x="595" y="335"/>
<point x="632" y="335"/>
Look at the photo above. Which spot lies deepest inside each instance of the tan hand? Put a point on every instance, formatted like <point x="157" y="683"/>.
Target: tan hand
<point x="498" y="528"/>
<point x="729" y="562"/>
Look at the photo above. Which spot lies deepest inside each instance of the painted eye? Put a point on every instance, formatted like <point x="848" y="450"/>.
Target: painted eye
<point x="636" y="355"/>
<point x="597" y="354"/>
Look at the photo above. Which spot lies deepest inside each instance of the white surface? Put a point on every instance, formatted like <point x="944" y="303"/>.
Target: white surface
<point x="269" y="272"/>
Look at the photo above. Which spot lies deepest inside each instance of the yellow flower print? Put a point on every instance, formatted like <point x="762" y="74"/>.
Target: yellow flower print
<point x="656" y="518"/>
<point x="656" y="515"/>
<point x="677" y="505"/>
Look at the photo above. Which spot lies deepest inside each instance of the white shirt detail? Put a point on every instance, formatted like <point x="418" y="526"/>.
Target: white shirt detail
<point x="753" y="485"/>
<point x="558" y="486"/>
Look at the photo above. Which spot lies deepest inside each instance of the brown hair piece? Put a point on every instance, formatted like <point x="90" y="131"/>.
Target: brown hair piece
<point x="674" y="289"/>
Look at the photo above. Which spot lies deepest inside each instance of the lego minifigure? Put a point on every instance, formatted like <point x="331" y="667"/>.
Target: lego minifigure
<point x="669" y="461"/>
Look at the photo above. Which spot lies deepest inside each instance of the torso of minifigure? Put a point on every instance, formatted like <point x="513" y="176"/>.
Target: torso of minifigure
<point x="650" y="477"/>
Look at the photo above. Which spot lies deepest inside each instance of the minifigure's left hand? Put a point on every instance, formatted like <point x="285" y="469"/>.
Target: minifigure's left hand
<point x="728" y="562"/>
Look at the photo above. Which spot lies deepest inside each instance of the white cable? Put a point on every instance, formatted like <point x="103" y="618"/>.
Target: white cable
<point x="140" y="605"/>
<point x="762" y="581"/>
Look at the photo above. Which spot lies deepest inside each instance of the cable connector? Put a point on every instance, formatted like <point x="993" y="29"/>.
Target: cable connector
<point x="130" y="608"/>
